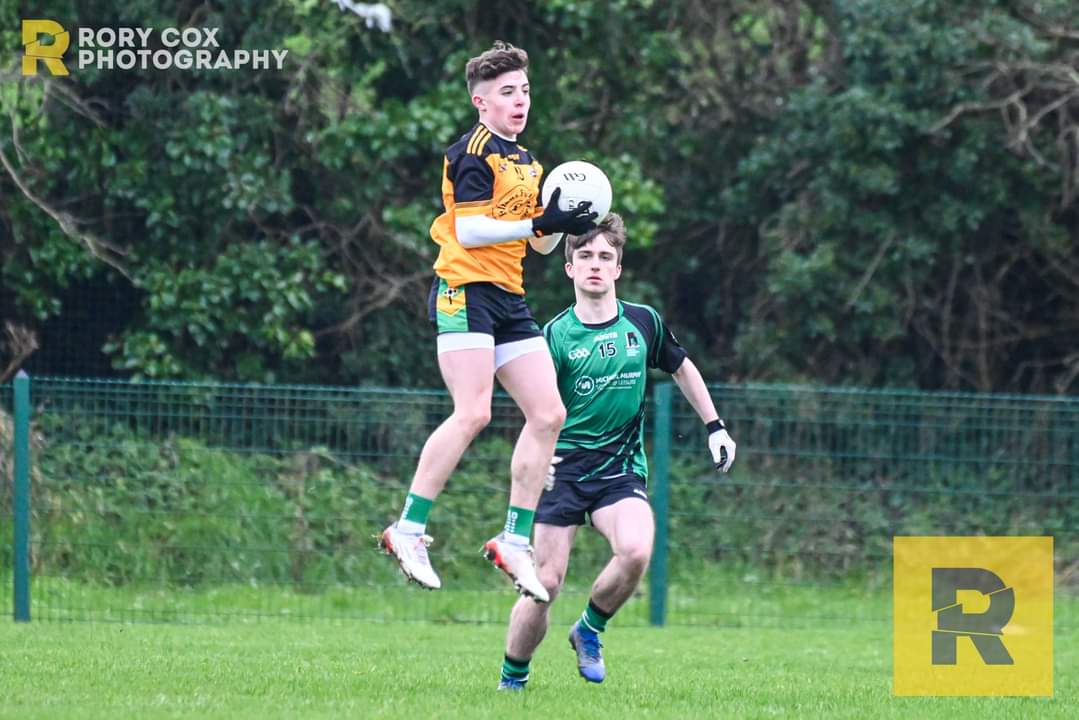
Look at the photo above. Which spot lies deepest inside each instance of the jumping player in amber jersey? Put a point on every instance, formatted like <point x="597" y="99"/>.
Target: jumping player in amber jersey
<point x="490" y="189"/>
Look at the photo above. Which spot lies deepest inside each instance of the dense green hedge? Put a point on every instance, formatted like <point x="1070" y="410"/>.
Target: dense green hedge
<point x="113" y="507"/>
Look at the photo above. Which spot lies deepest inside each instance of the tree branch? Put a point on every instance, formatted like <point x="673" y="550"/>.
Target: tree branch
<point x="69" y="224"/>
<point x="971" y="106"/>
<point x="21" y="344"/>
<point x="869" y="272"/>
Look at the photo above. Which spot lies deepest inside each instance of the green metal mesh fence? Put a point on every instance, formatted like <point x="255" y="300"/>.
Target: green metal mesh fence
<point x="827" y="477"/>
<point x="193" y="502"/>
<point x="7" y="441"/>
<point x="199" y="503"/>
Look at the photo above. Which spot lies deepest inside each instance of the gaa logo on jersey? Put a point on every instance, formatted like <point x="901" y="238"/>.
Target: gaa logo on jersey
<point x="579" y="353"/>
<point x="585" y="386"/>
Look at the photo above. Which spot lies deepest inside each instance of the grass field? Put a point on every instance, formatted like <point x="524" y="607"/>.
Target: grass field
<point x="331" y="668"/>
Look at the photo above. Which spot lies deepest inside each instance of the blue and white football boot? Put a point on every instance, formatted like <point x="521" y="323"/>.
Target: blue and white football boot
<point x="589" y="656"/>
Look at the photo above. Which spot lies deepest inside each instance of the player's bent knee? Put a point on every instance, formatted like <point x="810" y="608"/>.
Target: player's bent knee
<point x="552" y="580"/>
<point x="549" y="420"/>
<point x="472" y="421"/>
<point x="635" y="558"/>
<point x="559" y="417"/>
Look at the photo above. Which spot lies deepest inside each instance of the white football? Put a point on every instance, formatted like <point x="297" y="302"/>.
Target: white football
<point x="580" y="181"/>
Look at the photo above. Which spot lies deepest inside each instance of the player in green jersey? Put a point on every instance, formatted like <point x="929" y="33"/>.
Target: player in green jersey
<point x="602" y="349"/>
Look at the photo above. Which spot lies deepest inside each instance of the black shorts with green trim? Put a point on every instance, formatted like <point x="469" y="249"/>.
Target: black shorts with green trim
<point x="480" y="307"/>
<point x="572" y="502"/>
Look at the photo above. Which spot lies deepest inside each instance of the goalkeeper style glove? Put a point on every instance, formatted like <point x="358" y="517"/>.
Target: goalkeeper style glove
<point x="721" y="445"/>
<point x="554" y="219"/>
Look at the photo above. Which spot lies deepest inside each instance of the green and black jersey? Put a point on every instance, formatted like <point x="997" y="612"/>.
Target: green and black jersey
<point x="602" y="372"/>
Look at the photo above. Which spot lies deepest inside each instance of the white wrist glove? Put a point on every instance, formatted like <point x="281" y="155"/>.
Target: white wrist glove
<point x="549" y="483"/>
<point x="721" y="445"/>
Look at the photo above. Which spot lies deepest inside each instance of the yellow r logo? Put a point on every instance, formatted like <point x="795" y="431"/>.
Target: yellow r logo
<point x="34" y="51"/>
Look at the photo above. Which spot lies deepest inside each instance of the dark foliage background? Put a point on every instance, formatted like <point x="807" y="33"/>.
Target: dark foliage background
<point x="847" y="192"/>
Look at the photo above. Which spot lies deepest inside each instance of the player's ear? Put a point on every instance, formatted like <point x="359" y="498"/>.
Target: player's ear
<point x="569" y="270"/>
<point x="617" y="271"/>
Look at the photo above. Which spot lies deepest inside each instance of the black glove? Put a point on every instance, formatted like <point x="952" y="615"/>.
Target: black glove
<point x="554" y="219"/>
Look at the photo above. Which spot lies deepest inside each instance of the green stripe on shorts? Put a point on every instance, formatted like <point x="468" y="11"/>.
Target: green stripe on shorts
<point x="451" y="309"/>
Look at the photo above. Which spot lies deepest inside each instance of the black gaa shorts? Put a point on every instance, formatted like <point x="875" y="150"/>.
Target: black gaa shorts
<point x="480" y="307"/>
<point x="570" y="502"/>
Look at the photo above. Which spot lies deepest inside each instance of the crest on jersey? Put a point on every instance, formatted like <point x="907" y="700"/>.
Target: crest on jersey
<point x="516" y="203"/>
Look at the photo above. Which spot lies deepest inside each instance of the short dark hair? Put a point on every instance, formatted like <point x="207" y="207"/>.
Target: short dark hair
<point x="501" y="58"/>
<point x="611" y="227"/>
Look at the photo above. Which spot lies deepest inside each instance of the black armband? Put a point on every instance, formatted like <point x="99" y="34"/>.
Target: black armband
<point x="715" y="426"/>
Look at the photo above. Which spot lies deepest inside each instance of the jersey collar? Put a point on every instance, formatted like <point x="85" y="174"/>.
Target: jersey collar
<point x="495" y="133"/>
<point x="597" y="326"/>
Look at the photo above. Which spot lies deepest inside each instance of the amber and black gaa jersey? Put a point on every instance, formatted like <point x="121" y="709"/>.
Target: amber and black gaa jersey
<point x="484" y="174"/>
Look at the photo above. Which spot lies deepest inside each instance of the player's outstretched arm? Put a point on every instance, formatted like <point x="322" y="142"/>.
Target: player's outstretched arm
<point x="720" y="443"/>
<point x="475" y="231"/>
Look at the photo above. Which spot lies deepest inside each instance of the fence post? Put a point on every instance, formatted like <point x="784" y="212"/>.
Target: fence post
<point x="21" y="499"/>
<point x="659" y="489"/>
